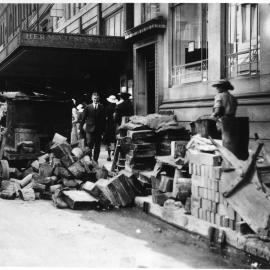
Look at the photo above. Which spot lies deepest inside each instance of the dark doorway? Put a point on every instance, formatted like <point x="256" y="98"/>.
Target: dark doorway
<point x="150" y="78"/>
<point x="146" y="87"/>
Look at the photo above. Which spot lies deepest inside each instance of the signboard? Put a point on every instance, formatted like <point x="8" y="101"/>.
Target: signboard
<point x="191" y="46"/>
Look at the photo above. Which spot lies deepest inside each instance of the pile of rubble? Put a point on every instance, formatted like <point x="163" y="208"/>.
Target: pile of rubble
<point x="67" y="176"/>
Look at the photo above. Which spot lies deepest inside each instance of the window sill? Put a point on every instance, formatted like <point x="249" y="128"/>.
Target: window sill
<point x="188" y="84"/>
<point x="244" y="77"/>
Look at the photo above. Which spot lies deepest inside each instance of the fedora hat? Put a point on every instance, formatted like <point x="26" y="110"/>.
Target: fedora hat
<point x="225" y="84"/>
<point x="112" y="99"/>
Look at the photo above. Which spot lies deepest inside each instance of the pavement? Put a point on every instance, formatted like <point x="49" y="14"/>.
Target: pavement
<point x="40" y="235"/>
<point x="102" y="161"/>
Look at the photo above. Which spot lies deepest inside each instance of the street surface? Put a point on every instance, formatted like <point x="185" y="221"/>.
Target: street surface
<point x="38" y="234"/>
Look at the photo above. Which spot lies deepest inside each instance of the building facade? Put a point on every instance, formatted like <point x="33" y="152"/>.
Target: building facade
<point x="200" y="44"/>
<point x="174" y="51"/>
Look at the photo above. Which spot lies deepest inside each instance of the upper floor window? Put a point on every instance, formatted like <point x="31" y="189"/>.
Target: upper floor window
<point x="114" y="24"/>
<point x="189" y="43"/>
<point x="92" y="30"/>
<point x="150" y="11"/>
<point x="243" y="40"/>
<point x="10" y="24"/>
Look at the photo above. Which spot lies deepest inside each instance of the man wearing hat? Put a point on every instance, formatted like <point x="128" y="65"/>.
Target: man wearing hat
<point x="109" y="136"/>
<point x="123" y="108"/>
<point x="225" y="104"/>
<point x="94" y="117"/>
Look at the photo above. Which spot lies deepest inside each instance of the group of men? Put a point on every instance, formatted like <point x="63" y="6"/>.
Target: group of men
<point x="93" y="123"/>
<point x="94" y="115"/>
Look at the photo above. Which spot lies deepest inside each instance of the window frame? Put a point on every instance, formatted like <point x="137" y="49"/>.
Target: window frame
<point x="106" y="23"/>
<point x="252" y="52"/>
<point x="89" y="28"/>
<point x="175" y="80"/>
<point x="152" y="15"/>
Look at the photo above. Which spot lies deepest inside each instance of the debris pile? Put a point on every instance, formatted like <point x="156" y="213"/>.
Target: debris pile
<point x="171" y="132"/>
<point x="69" y="178"/>
<point x="211" y="184"/>
<point x="150" y="136"/>
<point x="171" y="184"/>
<point x="223" y="185"/>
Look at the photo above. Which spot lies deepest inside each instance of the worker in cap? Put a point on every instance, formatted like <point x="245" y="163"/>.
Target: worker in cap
<point x="225" y="103"/>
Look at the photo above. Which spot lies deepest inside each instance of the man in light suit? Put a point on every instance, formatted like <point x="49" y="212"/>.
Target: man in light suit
<point x="94" y="118"/>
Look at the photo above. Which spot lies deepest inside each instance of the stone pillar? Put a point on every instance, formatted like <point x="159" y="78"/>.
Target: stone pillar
<point x="216" y="45"/>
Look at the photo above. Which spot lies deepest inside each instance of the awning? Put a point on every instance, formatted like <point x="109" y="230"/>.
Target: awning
<point x="152" y="26"/>
<point x="68" y="62"/>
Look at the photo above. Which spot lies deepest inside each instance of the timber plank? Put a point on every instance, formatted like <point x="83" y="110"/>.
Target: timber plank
<point x="251" y="204"/>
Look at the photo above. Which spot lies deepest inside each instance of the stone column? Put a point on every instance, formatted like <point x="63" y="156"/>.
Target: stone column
<point x="216" y="42"/>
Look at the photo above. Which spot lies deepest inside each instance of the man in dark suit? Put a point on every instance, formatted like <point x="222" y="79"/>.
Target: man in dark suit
<point x="94" y="118"/>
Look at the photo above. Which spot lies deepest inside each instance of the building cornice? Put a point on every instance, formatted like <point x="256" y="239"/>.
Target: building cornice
<point x="252" y="98"/>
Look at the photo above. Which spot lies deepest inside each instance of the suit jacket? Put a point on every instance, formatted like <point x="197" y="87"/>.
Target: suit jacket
<point x="94" y="118"/>
<point x="123" y="109"/>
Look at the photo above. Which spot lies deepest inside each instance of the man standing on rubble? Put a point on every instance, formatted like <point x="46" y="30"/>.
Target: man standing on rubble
<point x="93" y="117"/>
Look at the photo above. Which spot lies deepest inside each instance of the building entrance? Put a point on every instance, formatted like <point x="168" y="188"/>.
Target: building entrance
<point x="146" y="77"/>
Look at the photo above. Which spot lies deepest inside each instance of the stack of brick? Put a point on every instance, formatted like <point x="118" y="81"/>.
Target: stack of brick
<point x="161" y="189"/>
<point x="207" y="202"/>
<point x="165" y="137"/>
<point x="142" y="150"/>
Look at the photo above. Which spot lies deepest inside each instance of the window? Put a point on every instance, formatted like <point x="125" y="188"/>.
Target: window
<point x="23" y="11"/>
<point x="150" y="11"/>
<point x="113" y="25"/>
<point x="78" y="7"/>
<point x="73" y="9"/>
<point x="243" y="40"/>
<point x="92" y="30"/>
<point x="189" y="43"/>
<point x="1" y="38"/>
<point x="10" y="24"/>
<point x="68" y="11"/>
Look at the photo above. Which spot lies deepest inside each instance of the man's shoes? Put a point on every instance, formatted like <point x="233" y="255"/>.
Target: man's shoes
<point x="109" y="159"/>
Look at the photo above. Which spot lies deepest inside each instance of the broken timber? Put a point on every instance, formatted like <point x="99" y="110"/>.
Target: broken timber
<point x="251" y="204"/>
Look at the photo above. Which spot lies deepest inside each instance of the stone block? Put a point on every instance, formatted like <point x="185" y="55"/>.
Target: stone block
<point x="196" y="202"/>
<point x="204" y="158"/>
<point x="195" y="211"/>
<point x="196" y="180"/>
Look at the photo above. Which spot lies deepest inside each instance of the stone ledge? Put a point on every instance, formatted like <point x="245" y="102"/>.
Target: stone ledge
<point x="191" y="224"/>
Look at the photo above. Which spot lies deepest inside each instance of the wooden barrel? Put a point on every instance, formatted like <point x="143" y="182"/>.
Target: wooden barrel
<point x="235" y="135"/>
